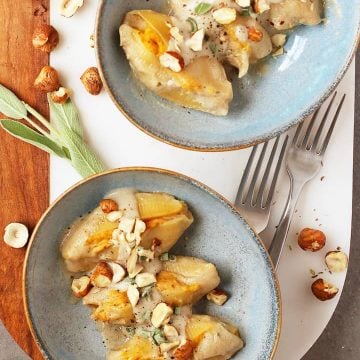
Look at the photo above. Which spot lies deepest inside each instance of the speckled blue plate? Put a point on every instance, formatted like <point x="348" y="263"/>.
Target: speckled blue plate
<point x="63" y="328"/>
<point x="289" y="88"/>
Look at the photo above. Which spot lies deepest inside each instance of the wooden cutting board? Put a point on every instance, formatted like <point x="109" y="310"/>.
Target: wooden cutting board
<point x="24" y="170"/>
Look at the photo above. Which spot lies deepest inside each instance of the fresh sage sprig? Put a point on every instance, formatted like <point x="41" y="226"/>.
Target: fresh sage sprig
<point x="62" y="137"/>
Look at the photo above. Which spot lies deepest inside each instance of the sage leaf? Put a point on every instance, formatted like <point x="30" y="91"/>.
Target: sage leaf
<point x="193" y="24"/>
<point x="83" y="159"/>
<point x="65" y="115"/>
<point x="203" y="8"/>
<point x="23" y="132"/>
<point x="10" y="105"/>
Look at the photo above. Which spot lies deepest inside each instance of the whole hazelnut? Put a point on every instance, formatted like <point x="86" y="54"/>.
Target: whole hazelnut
<point x="45" y="38"/>
<point x="323" y="290"/>
<point x="311" y="239"/>
<point x="92" y="81"/>
<point x="60" y="96"/>
<point x="47" y="80"/>
<point x="336" y="261"/>
<point x="108" y="206"/>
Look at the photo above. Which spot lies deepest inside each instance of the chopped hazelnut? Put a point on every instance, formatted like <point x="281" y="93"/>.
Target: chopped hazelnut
<point x="255" y="34"/>
<point x="118" y="272"/>
<point x="170" y="333"/>
<point x="47" y="80"/>
<point x="323" y="290"/>
<point x="173" y="61"/>
<point x="45" y="38"/>
<point x="225" y="15"/>
<point x="133" y="295"/>
<point x="68" y="8"/>
<point x="81" y="286"/>
<point x="92" y="41"/>
<point x="261" y="5"/>
<point x="195" y="43"/>
<point x="108" y="205"/>
<point x="102" y="275"/>
<point x="336" y="261"/>
<point x="311" y="239"/>
<point x="60" y="96"/>
<point x="145" y="279"/>
<point x="185" y="351"/>
<point x="217" y="296"/>
<point x="92" y="81"/>
<point x="161" y="315"/>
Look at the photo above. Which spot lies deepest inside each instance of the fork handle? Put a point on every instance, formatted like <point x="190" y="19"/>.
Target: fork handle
<point x="282" y="230"/>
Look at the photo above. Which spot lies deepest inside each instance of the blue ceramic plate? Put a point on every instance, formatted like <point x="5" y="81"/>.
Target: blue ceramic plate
<point x="289" y="88"/>
<point x="63" y="328"/>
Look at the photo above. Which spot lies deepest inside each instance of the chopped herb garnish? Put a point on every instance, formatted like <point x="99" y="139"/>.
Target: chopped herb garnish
<point x="130" y="330"/>
<point x="164" y="257"/>
<point x="146" y="315"/>
<point x="146" y="291"/>
<point x="143" y="258"/>
<point x="144" y="333"/>
<point x="172" y="258"/>
<point x="203" y="8"/>
<point x="159" y="337"/>
<point x="177" y="310"/>
<point x="312" y="272"/>
<point x="214" y="48"/>
<point x="193" y="24"/>
<point x="245" y="11"/>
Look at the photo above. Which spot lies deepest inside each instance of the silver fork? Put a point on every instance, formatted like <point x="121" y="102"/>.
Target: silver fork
<point x="252" y="202"/>
<point x="303" y="162"/>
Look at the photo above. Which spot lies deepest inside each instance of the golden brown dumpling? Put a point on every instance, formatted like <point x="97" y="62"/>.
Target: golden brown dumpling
<point x="213" y="338"/>
<point x="185" y="280"/>
<point x="201" y="85"/>
<point x="290" y="13"/>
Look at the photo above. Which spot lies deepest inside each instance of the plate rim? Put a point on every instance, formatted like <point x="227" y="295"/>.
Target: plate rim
<point x="221" y="148"/>
<point x="218" y="196"/>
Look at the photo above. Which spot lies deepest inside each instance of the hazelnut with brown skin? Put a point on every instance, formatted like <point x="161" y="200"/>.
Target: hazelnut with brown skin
<point x="92" y="81"/>
<point x="311" y="239"/>
<point x="336" y="261"/>
<point x="81" y="286"/>
<point x="60" y="96"/>
<point x="323" y="290"/>
<point x="108" y="206"/>
<point x="47" y="80"/>
<point x="45" y="38"/>
<point x="102" y="275"/>
<point x="185" y="351"/>
<point x="217" y="296"/>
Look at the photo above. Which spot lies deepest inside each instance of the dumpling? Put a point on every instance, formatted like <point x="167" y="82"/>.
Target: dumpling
<point x="92" y="239"/>
<point x="248" y="42"/>
<point x="137" y="348"/>
<point x="214" y="339"/>
<point x="290" y="13"/>
<point x="111" y="306"/>
<point x="185" y="280"/>
<point x="201" y="85"/>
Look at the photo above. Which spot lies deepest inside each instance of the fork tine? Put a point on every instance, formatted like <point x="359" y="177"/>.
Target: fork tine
<point x="322" y="124"/>
<point x="332" y="126"/>
<point x="250" y="193"/>
<point x="309" y="128"/>
<point x="267" y="171"/>
<point x="245" y="176"/>
<point x="276" y="172"/>
<point x="296" y="136"/>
